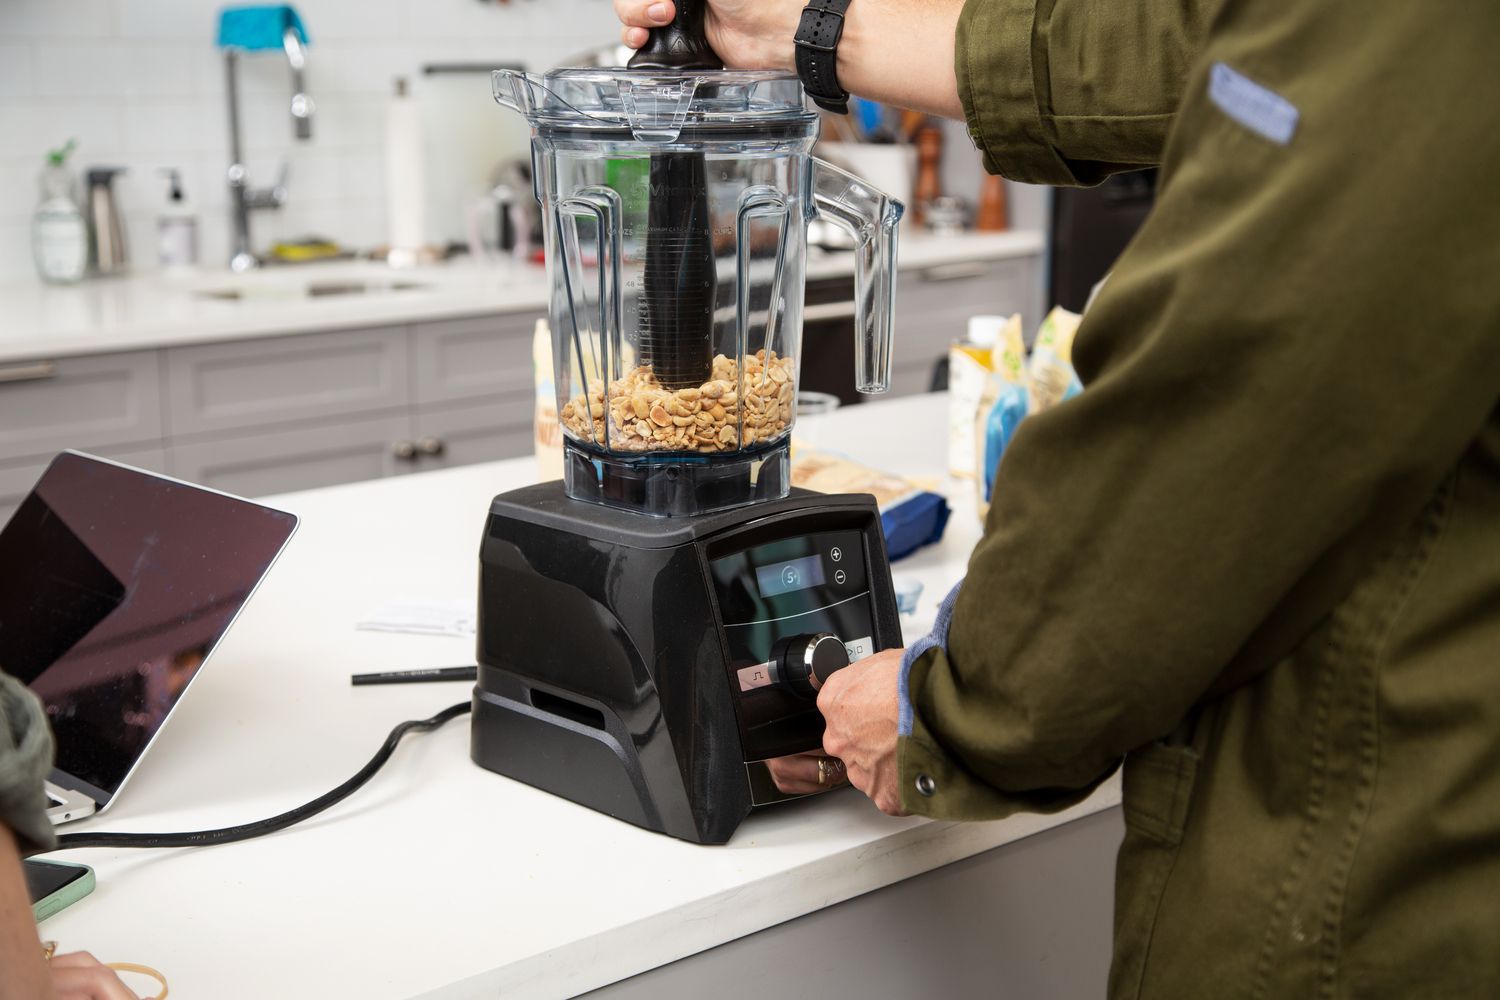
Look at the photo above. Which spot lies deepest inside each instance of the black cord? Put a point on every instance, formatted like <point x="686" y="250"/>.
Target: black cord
<point x="245" y="831"/>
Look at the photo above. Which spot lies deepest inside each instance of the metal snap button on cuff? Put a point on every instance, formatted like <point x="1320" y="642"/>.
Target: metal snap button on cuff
<point x="926" y="786"/>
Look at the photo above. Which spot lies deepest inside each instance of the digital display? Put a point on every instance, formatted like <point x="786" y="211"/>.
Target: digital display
<point x="786" y="577"/>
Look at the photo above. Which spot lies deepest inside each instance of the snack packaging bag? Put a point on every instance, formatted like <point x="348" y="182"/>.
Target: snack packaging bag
<point x="1025" y="388"/>
<point x="1050" y="374"/>
<point x="910" y="516"/>
<point x="1005" y="392"/>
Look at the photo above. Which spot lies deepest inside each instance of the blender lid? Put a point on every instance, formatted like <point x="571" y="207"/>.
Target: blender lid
<point x="654" y="106"/>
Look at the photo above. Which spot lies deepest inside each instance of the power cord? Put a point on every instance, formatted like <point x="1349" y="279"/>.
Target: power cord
<point x="259" y="828"/>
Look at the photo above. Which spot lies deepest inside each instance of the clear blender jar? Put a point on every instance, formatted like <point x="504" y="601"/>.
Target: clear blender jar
<point x="676" y="206"/>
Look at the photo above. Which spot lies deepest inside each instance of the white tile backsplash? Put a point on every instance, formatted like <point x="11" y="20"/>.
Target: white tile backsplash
<point x="57" y="18"/>
<point x="111" y="69"/>
<point x="157" y="20"/>
<point x="15" y="251"/>
<point x="18" y="191"/>
<point x="139" y="83"/>
<point x="176" y="126"/>
<point x="15" y="70"/>
<point x="28" y="128"/>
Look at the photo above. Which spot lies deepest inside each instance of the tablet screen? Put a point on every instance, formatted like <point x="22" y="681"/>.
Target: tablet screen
<point x="115" y="585"/>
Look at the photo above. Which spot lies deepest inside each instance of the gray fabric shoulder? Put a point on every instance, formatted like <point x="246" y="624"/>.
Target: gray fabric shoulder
<point x="25" y="760"/>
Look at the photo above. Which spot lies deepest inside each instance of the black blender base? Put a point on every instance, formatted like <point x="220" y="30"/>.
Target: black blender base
<point x="604" y="670"/>
<point x="572" y="757"/>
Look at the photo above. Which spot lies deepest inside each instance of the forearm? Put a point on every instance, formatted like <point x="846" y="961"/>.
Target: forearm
<point x="24" y="972"/>
<point x="893" y="51"/>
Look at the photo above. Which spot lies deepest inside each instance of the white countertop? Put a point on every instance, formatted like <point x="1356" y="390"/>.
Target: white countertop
<point x="440" y="879"/>
<point x="159" y="309"/>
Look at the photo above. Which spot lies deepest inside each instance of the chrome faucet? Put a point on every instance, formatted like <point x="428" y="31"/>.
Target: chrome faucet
<point x="243" y="198"/>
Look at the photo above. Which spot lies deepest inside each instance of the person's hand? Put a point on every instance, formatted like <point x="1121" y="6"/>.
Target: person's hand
<point x="860" y="706"/>
<point x="800" y="773"/>
<point x="747" y="34"/>
<point x="80" y="976"/>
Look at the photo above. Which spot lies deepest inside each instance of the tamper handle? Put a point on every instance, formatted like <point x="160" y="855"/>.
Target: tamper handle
<point x="682" y="44"/>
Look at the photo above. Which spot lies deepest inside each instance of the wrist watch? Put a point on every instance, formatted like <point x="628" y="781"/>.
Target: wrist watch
<point x="817" y="42"/>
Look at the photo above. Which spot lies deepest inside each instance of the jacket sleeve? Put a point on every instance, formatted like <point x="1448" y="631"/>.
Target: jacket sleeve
<point x="25" y="759"/>
<point x="1299" y="346"/>
<point x="1070" y="91"/>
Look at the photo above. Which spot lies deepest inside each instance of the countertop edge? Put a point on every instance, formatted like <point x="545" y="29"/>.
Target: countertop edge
<point x="674" y="934"/>
<point x="459" y="292"/>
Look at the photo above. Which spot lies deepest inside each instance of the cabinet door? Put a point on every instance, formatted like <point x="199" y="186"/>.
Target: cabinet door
<point x="468" y="360"/>
<point x="321" y="454"/>
<point x="933" y="306"/>
<point x="16" y="480"/>
<point x="87" y="403"/>
<point x="483" y="432"/>
<point x="232" y="387"/>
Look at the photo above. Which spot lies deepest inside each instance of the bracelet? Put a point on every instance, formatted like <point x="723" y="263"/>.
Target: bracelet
<point x="817" y="41"/>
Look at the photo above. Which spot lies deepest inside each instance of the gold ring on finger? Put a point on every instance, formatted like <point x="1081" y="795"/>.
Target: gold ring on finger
<point x="822" y="770"/>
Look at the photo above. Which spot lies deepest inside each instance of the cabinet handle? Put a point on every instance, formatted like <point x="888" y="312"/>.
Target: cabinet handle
<point x="404" y="451"/>
<point x="956" y="272"/>
<point x="30" y="372"/>
<point x="431" y="446"/>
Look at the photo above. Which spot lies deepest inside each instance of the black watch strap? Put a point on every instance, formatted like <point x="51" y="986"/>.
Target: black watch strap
<point x="817" y="42"/>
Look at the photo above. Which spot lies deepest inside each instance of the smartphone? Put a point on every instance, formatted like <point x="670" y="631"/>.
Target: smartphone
<point x="55" y="885"/>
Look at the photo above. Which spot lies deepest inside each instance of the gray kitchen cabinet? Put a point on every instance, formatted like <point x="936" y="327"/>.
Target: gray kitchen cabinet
<point x="477" y="432"/>
<point x="272" y="414"/>
<point x="17" y="478"/>
<point x="933" y="306"/>
<point x="87" y="402"/>
<point x="299" y="458"/>
<point x="472" y="359"/>
<point x="238" y="385"/>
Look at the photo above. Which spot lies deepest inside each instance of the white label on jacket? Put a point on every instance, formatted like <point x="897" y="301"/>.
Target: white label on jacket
<point x="1259" y="109"/>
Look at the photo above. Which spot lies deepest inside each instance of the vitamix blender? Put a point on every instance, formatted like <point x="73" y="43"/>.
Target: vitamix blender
<point x="656" y="625"/>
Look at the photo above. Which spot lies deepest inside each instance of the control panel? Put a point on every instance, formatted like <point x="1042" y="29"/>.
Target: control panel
<point x="792" y="611"/>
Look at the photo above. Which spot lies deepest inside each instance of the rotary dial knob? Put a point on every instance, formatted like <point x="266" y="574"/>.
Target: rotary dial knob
<point x="803" y="663"/>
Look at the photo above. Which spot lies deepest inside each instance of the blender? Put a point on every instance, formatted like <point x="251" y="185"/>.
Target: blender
<point x="654" y="627"/>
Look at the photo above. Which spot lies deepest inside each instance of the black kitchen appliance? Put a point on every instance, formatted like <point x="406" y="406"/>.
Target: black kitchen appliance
<point x="654" y="627"/>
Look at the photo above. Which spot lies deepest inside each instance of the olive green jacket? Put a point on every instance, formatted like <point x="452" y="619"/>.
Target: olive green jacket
<point x="1258" y="559"/>
<point x="25" y="759"/>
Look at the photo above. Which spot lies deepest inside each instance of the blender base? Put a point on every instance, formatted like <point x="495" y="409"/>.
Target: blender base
<point x="609" y="673"/>
<point x="677" y="485"/>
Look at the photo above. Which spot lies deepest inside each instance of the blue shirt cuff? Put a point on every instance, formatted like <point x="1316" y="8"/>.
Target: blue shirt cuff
<point x="937" y="637"/>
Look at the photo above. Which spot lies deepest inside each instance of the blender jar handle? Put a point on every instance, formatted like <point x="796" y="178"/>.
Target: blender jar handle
<point x="759" y="202"/>
<point x="601" y="205"/>
<point x="871" y="217"/>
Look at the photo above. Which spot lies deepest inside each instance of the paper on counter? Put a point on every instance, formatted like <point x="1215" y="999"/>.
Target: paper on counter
<point x="421" y="617"/>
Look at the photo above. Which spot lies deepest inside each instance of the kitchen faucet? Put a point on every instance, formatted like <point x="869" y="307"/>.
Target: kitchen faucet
<point x="245" y="199"/>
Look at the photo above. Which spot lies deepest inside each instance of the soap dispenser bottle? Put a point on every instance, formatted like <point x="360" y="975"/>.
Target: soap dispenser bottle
<point x="59" y="235"/>
<point x="176" y="227"/>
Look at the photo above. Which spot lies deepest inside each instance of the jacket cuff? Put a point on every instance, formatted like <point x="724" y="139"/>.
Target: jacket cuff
<point x="25" y="760"/>
<point x="994" y="58"/>
<point x="937" y="784"/>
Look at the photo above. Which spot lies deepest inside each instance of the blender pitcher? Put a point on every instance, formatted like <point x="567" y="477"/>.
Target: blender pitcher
<point x="676" y="203"/>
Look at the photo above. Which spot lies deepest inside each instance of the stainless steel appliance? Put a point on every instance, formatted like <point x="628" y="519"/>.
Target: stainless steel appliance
<point x="654" y="627"/>
<point x="107" y="251"/>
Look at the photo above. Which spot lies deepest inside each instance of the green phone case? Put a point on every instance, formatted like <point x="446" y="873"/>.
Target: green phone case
<point x="67" y="895"/>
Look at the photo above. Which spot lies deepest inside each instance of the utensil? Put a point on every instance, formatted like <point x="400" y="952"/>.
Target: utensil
<point x="677" y="310"/>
